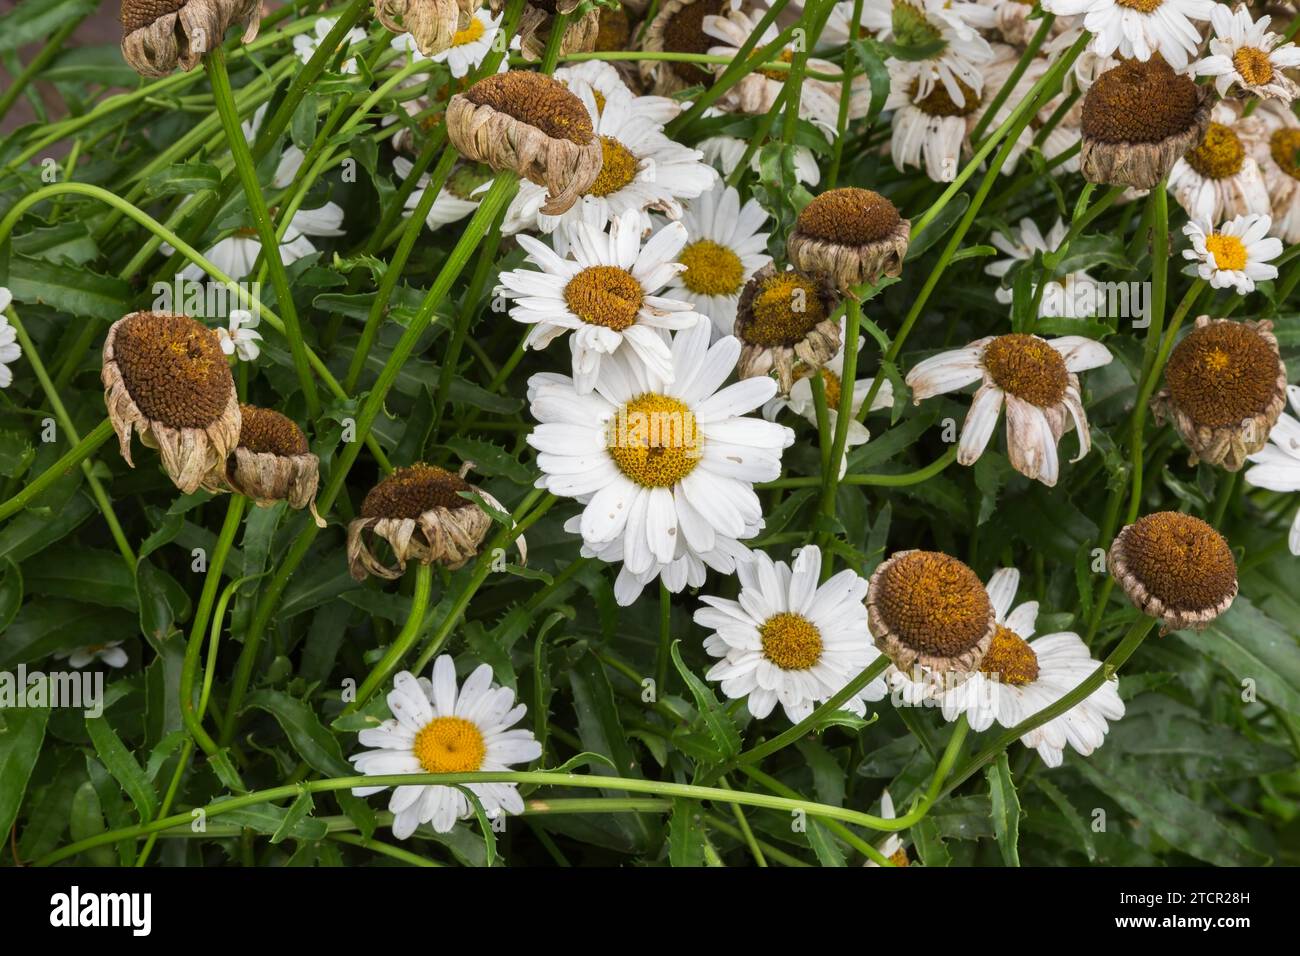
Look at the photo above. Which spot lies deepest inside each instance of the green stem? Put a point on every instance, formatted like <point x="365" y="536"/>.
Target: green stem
<point x="880" y="481"/>
<point x="843" y="416"/>
<point x="1031" y="51"/>
<point x="74" y="456"/>
<point x="664" y="657"/>
<point x="846" y="85"/>
<point x="404" y="641"/>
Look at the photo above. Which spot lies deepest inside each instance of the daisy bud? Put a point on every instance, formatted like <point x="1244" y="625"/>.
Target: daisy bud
<point x="271" y="463"/>
<point x="852" y="235"/>
<point x="1176" y="568"/>
<point x="1139" y="118"/>
<point x="166" y="379"/>
<point x="531" y="124"/>
<point x="783" y="321"/>
<point x="1225" y="386"/>
<point x="158" y="35"/>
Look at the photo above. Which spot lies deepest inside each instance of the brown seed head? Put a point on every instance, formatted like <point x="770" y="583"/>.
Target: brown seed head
<point x="1222" y="373"/>
<point x="848" y="216"/>
<point x="410" y="492"/>
<point x="933" y="603"/>
<point x="1139" y="102"/>
<point x="136" y="14"/>
<point x="263" y="430"/>
<point x="1179" y="559"/>
<point x="173" y="369"/>
<point x="1028" y="368"/>
<point x="535" y="99"/>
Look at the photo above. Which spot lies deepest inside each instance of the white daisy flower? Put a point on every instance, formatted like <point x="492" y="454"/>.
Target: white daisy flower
<point x="458" y="196"/>
<point x="1038" y="381"/>
<point x="605" y="83"/>
<point x="659" y="464"/>
<point x="724" y="249"/>
<point x="438" y="728"/>
<point x="306" y="44"/>
<point x="1276" y="466"/>
<point x="787" y="639"/>
<point x="1220" y="178"/>
<point x="1243" y="52"/>
<point x="110" y="653"/>
<point x="469" y="47"/>
<point x="920" y="23"/>
<point x="10" y="350"/>
<point x="606" y="295"/>
<point x="1075" y="295"/>
<point x="1139" y="28"/>
<point x="892" y="846"/>
<point x="1237" y="255"/>
<point x="642" y="170"/>
<point x="241" y="337"/>
<point x="1018" y="677"/>
<point x="1272" y="133"/>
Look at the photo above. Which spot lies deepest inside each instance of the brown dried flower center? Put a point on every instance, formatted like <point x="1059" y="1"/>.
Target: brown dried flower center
<point x="1028" y="368"/>
<point x="173" y="369"/>
<point x="618" y="169"/>
<point x="1253" y="65"/>
<point x="140" y="13"/>
<point x="1139" y="102"/>
<point x="684" y="33"/>
<point x="1220" y="155"/>
<point x="535" y="99"/>
<point x="784" y="309"/>
<point x="791" y="641"/>
<point x="711" y="268"/>
<point x="410" y="492"/>
<point x="1181" y="560"/>
<point x="849" y="216"/>
<point x="1284" y="147"/>
<point x="1221" y="374"/>
<point x="1010" y="659"/>
<point x="450" y="745"/>
<point x="654" y="440"/>
<point x="605" y="295"/>
<point x="263" y="430"/>
<point x="1142" y="6"/>
<point x="933" y="603"/>
<point x="938" y="102"/>
<point x="614" y="29"/>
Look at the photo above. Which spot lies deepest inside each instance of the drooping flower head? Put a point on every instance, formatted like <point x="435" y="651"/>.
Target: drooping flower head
<point x="852" y="235"/>
<point x="159" y="35"/>
<point x="785" y="326"/>
<point x="271" y="463"/>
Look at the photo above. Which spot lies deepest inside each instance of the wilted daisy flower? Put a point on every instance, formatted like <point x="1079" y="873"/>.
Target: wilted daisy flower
<point x="1075" y="295"/>
<point x="1176" y="568"/>
<point x="1225" y="386"/>
<point x="1019" y="677"/>
<point x="921" y="24"/>
<point x="305" y="45"/>
<point x="1218" y="179"/>
<point x="724" y="249"/>
<point x="661" y="463"/>
<point x="1037" y="379"/>
<point x="606" y="295"/>
<point x="1244" y="53"/>
<point x="1138" y="119"/>
<point x="1237" y="255"/>
<point x="431" y="23"/>
<point x="642" y="169"/>
<point x="928" y="610"/>
<point x="439" y="728"/>
<point x="789" y="640"/>
<point x="784" y="324"/>
<point x="1272" y="133"/>
<point x="271" y="463"/>
<point x="538" y="19"/>
<point x="240" y="338"/>
<point x="159" y="36"/>
<point x="10" y="350"/>
<point x="468" y="49"/>
<point x="423" y="513"/>
<point x="458" y="197"/>
<point x="531" y="124"/>
<point x="1140" y="28"/>
<point x="1276" y="466"/>
<point x="678" y="27"/>
<point x="852" y="235"/>
<point x="110" y="653"/>
<point x="605" y="84"/>
<point x="166" y="379"/>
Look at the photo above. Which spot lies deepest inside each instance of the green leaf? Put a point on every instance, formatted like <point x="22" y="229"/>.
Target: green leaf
<point x="489" y="459"/>
<point x="484" y="824"/>
<point x="80" y="573"/>
<point x="1073" y="819"/>
<point x="183" y="179"/>
<point x="312" y="742"/>
<point x="720" y="725"/>
<point x="1005" y="807"/>
<point x="929" y="844"/>
<point x="43" y="627"/>
<point x="938" y="227"/>
<point x="78" y="292"/>
<point x="22" y="731"/>
<point x="1252" y="646"/>
<point x="271" y="821"/>
<point x="298" y="811"/>
<point x="686" y="834"/>
<point x="119" y="762"/>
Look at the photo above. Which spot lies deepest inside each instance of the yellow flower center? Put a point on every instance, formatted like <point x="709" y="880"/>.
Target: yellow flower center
<point x="469" y="34"/>
<point x="791" y="641"/>
<point x="654" y="440"/>
<point x="1222" y="374"/>
<point x="1010" y="659"/>
<point x="1253" y="65"/>
<point x="780" y="75"/>
<point x="1229" y="251"/>
<point x="785" y="307"/>
<point x="1028" y="368"/>
<point x="619" y="168"/>
<point x="605" y="295"/>
<point x="1284" y="147"/>
<point x="899" y="857"/>
<point x="831" y="385"/>
<point x="933" y="603"/>
<point x="1142" y="6"/>
<point x="711" y="269"/>
<point x="1221" y="154"/>
<point x="450" y="745"/>
<point x="1180" y="559"/>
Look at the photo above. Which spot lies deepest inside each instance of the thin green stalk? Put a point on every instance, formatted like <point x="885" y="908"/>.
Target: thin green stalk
<point x="404" y="641"/>
<point x="554" y="42"/>
<point x="663" y="658"/>
<point x="748" y="834"/>
<point x="843" y="416"/>
<point x="1027" y="57"/>
<point x="880" y="481"/>
<point x="384" y="849"/>
<point x="1150" y="374"/>
<point x="839" y="829"/>
<point x="74" y="456"/>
